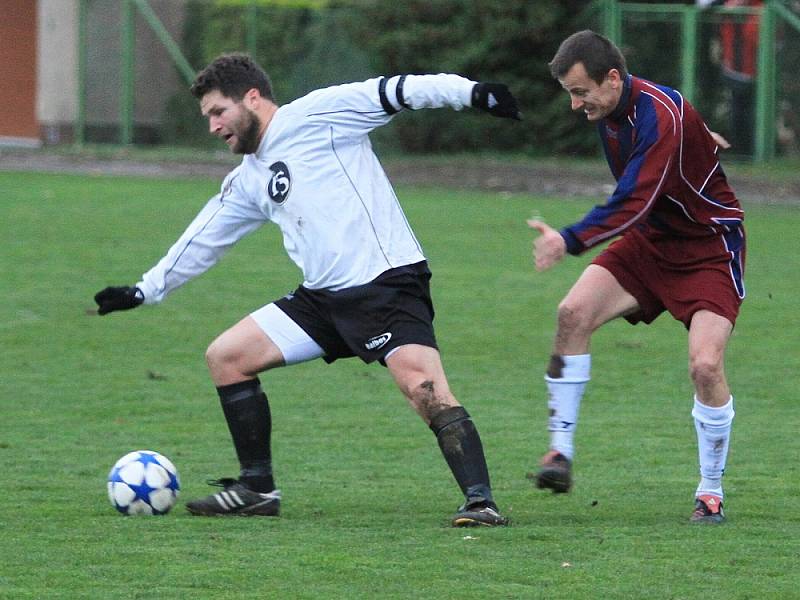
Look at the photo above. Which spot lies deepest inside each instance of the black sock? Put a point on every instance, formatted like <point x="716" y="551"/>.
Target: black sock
<point x="247" y="411"/>
<point x="463" y="451"/>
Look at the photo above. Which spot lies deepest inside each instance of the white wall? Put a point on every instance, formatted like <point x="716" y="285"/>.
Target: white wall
<point x="57" y="63"/>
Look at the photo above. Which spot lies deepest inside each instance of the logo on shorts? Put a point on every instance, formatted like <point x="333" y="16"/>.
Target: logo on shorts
<point x="280" y="183"/>
<point x="379" y="341"/>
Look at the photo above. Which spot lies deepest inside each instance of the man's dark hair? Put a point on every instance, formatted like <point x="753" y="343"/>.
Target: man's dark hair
<point x="597" y="53"/>
<point x="233" y="75"/>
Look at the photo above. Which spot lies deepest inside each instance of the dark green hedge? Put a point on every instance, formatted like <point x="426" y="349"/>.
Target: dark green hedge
<point x="487" y="40"/>
<point x="509" y="41"/>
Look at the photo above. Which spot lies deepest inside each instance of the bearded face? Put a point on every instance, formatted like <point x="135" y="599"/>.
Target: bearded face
<point x="245" y="131"/>
<point x="232" y="121"/>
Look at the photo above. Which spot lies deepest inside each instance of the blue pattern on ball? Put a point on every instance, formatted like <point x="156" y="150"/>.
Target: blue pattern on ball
<point x="143" y="490"/>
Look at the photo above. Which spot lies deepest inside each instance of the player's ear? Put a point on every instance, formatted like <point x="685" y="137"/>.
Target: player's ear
<point x="614" y="77"/>
<point x="252" y="98"/>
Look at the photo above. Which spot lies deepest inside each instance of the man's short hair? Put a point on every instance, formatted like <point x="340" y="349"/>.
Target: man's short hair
<point x="597" y="53"/>
<point x="233" y="75"/>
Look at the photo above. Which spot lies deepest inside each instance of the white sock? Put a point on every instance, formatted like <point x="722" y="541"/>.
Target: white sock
<point x="713" y="426"/>
<point x="565" y="395"/>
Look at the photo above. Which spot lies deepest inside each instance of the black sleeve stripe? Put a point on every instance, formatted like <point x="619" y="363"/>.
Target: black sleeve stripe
<point x="401" y="100"/>
<point x="387" y="106"/>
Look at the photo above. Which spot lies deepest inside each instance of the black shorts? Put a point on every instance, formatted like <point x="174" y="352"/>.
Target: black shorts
<point x="368" y="320"/>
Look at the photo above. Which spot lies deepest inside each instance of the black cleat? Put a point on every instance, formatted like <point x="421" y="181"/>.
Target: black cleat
<point x="479" y="514"/>
<point x="555" y="473"/>
<point x="708" y="509"/>
<point x="236" y="499"/>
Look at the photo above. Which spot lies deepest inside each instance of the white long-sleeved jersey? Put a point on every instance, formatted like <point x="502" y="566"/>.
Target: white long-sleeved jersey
<point x="316" y="177"/>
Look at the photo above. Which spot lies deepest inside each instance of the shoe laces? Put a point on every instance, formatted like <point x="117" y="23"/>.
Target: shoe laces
<point x="478" y="504"/>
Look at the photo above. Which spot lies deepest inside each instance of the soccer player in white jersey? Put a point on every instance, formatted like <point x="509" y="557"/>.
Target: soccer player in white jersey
<point x="309" y="168"/>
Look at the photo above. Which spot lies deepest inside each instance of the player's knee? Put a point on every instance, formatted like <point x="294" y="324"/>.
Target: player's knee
<point x="219" y="355"/>
<point x="705" y="368"/>
<point x="573" y="318"/>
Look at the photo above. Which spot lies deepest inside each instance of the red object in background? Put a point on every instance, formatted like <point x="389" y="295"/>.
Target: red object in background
<point x="18" y="69"/>
<point x="739" y="37"/>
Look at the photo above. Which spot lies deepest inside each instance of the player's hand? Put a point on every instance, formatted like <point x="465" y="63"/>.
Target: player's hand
<point x="495" y="99"/>
<point x="549" y="247"/>
<point x="118" y="298"/>
<point x="719" y="140"/>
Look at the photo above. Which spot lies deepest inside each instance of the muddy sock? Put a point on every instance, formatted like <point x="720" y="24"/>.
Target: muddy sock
<point x="462" y="449"/>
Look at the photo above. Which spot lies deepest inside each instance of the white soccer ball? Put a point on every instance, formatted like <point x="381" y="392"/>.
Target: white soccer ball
<point x="143" y="483"/>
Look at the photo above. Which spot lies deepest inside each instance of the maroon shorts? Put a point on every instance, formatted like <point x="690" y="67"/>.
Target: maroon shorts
<point x="681" y="276"/>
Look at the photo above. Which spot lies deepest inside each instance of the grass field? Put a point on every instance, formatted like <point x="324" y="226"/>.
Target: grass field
<point x="367" y="496"/>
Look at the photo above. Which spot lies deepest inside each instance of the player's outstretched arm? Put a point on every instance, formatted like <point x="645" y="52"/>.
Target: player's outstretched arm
<point x="414" y="92"/>
<point x="496" y="99"/>
<point x="118" y="298"/>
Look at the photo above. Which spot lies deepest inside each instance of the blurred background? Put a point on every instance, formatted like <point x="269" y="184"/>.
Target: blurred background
<point x="117" y="72"/>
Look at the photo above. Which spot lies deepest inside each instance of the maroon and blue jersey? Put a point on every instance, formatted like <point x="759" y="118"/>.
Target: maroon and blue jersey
<point x="670" y="183"/>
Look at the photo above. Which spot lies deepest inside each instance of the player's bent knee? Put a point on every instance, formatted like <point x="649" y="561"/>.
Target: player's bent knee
<point x="218" y="355"/>
<point x="705" y="369"/>
<point x="573" y="317"/>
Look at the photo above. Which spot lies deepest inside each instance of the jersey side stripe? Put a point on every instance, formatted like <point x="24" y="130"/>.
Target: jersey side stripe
<point x="734" y="243"/>
<point x="345" y="110"/>
<point x="363" y="204"/>
<point x="405" y="220"/>
<point x="699" y="191"/>
<point x="391" y="110"/>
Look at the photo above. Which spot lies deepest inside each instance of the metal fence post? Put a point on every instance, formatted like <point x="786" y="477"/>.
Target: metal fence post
<point x="166" y="40"/>
<point x="765" y="86"/>
<point x="612" y="21"/>
<point x="127" y="75"/>
<point x="251" y="28"/>
<point x="786" y="15"/>
<point x="689" y="52"/>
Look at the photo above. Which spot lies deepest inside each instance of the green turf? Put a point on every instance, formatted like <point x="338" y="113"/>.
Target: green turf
<point x="367" y="496"/>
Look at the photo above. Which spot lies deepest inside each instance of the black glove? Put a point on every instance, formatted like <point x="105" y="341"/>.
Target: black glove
<point x="118" y="298"/>
<point x="495" y="99"/>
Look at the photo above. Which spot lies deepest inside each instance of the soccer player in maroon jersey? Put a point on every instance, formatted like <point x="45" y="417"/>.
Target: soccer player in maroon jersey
<point x="680" y="248"/>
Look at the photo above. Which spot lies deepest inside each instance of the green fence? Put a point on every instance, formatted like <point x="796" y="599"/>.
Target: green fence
<point x="136" y="58"/>
<point x="696" y="31"/>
